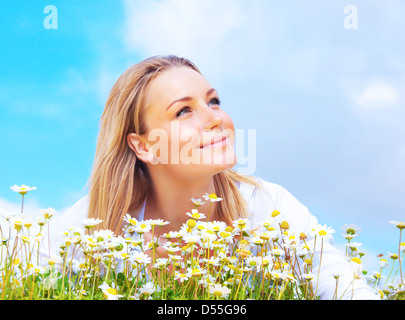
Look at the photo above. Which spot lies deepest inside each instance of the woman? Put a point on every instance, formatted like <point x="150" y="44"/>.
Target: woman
<point x="164" y="140"/>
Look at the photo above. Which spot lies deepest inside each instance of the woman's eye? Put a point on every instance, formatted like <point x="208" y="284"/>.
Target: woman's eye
<point x="215" y="101"/>
<point x="183" y="111"/>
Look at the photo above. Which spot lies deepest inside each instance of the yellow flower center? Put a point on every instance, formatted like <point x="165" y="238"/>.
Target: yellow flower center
<point x="350" y="231"/>
<point x="112" y="291"/>
<point x="228" y="229"/>
<point x="264" y="236"/>
<point x="191" y="223"/>
<point x="17" y="225"/>
<point x="244" y="253"/>
<point x="356" y="260"/>
<point x="218" y="293"/>
<point x="92" y="244"/>
<point x="303" y="236"/>
<point x="275" y="213"/>
<point x="322" y="233"/>
<point x="284" y="225"/>
<point x="224" y="234"/>
<point x="196" y="272"/>
<point x="401" y="225"/>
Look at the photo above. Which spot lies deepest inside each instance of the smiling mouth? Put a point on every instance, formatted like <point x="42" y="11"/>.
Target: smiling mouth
<point x="215" y="142"/>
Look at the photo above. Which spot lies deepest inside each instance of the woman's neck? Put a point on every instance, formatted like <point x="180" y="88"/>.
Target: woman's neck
<point x="170" y="199"/>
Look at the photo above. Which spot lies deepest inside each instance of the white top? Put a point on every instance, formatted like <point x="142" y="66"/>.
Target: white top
<point x="260" y="205"/>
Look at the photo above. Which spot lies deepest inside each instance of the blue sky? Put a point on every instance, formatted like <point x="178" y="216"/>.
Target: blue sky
<point x="327" y="102"/>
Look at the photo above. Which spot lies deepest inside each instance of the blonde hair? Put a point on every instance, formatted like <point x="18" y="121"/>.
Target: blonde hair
<point x="118" y="178"/>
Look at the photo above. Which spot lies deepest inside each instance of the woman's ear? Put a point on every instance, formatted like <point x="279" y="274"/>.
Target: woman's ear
<point x="141" y="148"/>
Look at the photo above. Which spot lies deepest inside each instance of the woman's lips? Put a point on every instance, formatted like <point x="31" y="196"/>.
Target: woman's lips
<point x="214" y="142"/>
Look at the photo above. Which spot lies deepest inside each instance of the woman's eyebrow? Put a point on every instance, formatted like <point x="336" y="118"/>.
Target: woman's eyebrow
<point x="188" y="98"/>
<point x="178" y="100"/>
<point x="210" y="91"/>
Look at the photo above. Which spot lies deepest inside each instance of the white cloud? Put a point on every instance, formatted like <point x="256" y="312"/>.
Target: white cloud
<point x="376" y="95"/>
<point x="180" y="27"/>
<point x="229" y="40"/>
<point x="29" y="209"/>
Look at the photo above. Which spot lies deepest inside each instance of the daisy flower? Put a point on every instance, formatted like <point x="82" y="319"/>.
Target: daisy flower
<point x="252" y="262"/>
<point x="357" y="266"/>
<point x="308" y="276"/>
<point x="141" y="258"/>
<point x="171" y="235"/>
<point x="180" y="276"/>
<point x="208" y="235"/>
<point x="211" y="197"/>
<point x="268" y="235"/>
<point x="153" y="243"/>
<point x="277" y="252"/>
<point x="195" y="214"/>
<point x="256" y="240"/>
<point x="393" y="256"/>
<point x="23" y="189"/>
<point x="197" y="202"/>
<point x="130" y="220"/>
<point x="323" y="231"/>
<point x="157" y="222"/>
<point x="171" y="247"/>
<point x="148" y="289"/>
<point x="217" y="226"/>
<point x="47" y="213"/>
<point x="52" y="261"/>
<point x="17" y="223"/>
<point x="267" y="224"/>
<point x="91" y="222"/>
<point x="27" y="222"/>
<point x="142" y="227"/>
<point x="195" y="272"/>
<point x="383" y="263"/>
<point x="213" y="261"/>
<point x="227" y="236"/>
<point x="398" y="224"/>
<point x="354" y="245"/>
<point x="219" y="291"/>
<point x="240" y="223"/>
<point x="109" y="291"/>
<point x="161" y="263"/>
<point x="350" y="229"/>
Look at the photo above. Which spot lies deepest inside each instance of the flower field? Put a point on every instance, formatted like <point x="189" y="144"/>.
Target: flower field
<point x="204" y="260"/>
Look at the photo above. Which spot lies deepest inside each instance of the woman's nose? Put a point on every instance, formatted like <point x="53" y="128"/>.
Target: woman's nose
<point x="213" y="119"/>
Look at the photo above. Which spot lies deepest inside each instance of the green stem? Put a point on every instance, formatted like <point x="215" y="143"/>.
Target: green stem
<point x="399" y="256"/>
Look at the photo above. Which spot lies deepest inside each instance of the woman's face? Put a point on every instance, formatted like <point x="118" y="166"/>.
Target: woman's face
<point x="187" y="131"/>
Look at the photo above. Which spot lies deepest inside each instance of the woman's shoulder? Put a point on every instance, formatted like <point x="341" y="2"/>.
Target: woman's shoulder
<point x="263" y="197"/>
<point x="73" y="215"/>
<point x="78" y="209"/>
<point x="263" y="189"/>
